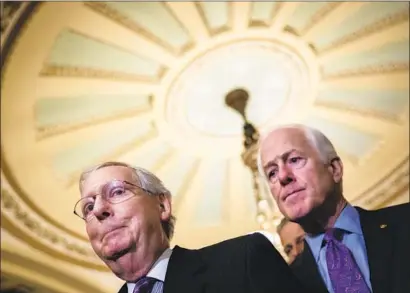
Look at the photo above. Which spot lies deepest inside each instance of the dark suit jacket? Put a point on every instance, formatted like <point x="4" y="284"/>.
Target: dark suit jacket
<point x="247" y="264"/>
<point x="387" y="237"/>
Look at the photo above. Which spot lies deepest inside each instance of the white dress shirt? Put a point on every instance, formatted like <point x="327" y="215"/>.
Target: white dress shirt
<point x="158" y="270"/>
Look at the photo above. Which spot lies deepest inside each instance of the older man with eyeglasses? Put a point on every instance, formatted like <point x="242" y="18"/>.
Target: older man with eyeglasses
<point x="128" y="218"/>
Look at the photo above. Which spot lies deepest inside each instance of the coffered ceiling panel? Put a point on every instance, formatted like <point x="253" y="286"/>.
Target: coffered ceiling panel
<point x="72" y="159"/>
<point x="145" y="83"/>
<point x="58" y="113"/>
<point x="346" y="139"/>
<point x="364" y="19"/>
<point x="306" y="14"/>
<point x="210" y="207"/>
<point x="262" y="13"/>
<point x="177" y="172"/>
<point x="389" y="57"/>
<point x="154" y="20"/>
<point x="74" y="54"/>
<point x="216" y="15"/>
<point x="384" y="103"/>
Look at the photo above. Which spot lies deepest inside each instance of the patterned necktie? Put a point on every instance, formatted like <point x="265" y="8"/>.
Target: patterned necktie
<point x="344" y="273"/>
<point x="144" y="285"/>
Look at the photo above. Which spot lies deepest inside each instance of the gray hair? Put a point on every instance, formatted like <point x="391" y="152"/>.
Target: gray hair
<point x="316" y="138"/>
<point x="146" y="180"/>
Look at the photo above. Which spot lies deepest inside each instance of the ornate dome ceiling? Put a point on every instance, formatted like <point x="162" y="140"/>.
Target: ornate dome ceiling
<point x="145" y="83"/>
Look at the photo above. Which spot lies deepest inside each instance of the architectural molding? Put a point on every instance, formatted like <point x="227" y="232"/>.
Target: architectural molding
<point x="15" y="279"/>
<point x="71" y="71"/>
<point x="215" y="31"/>
<point x="114" y="15"/>
<point x="14" y="210"/>
<point x="18" y="219"/>
<point x="377" y="26"/>
<point x="386" y="188"/>
<point x="368" y="70"/>
<point x="319" y="16"/>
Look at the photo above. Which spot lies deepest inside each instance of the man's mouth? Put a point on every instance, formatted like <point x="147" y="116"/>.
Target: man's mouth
<point x="111" y="230"/>
<point x="292" y="193"/>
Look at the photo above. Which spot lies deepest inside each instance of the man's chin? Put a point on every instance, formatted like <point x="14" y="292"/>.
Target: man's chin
<point x="296" y="214"/>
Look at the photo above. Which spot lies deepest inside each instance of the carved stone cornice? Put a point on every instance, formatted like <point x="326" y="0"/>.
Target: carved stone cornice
<point x="386" y="189"/>
<point x="22" y="222"/>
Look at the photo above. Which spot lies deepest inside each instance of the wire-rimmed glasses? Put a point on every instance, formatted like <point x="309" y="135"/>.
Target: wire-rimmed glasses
<point x="114" y="191"/>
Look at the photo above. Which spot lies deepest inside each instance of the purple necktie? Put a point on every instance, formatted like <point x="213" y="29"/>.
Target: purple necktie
<point x="343" y="271"/>
<point x="144" y="285"/>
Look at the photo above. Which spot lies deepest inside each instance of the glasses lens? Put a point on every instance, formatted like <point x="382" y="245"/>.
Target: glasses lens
<point x="84" y="206"/>
<point x="114" y="191"/>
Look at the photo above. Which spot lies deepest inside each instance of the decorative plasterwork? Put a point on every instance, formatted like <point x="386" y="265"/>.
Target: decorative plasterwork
<point x="47" y="132"/>
<point x="319" y="15"/>
<point x="17" y="273"/>
<point x="386" y="189"/>
<point x="116" y="16"/>
<point x="371" y="70"/>
<point x="164" y="152"/>
<point x="20" y="216"/>
<point x="52" y="70"/>
<point x="382" y="24"/>
<point x="206" y="20"/>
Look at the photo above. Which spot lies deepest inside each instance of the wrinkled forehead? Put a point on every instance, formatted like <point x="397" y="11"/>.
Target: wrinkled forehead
<point x="281" y="141"/>
<point x="98" y="178"/>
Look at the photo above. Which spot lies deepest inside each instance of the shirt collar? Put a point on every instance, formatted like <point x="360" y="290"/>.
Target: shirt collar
<point x="348" y="220"/>
<point x="158" y="270"/>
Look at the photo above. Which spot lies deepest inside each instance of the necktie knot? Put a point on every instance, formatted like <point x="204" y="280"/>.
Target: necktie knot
<point x="333" y="234"/>
<point x="144" y="285"/>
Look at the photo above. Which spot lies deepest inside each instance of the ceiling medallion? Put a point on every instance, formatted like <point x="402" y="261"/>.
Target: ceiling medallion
<point x="279" y="77"/>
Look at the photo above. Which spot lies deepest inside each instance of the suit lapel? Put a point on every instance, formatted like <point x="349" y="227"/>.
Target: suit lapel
<point x="185" y="272"/>
<point x="305" y="268"/>
<point x="124" y="288"/>
<point x="378" y="240"/>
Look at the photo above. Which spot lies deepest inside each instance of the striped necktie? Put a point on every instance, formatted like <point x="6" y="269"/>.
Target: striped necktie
<point x="144" y="285"/>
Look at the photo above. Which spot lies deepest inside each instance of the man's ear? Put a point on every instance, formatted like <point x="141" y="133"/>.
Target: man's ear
<point x="165" y="207"/>
<point x="336" y="167"/>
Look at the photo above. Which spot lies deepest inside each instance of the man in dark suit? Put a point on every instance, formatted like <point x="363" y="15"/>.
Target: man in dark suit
<point x="347" y="249"/>
<point x="127" y="212"/>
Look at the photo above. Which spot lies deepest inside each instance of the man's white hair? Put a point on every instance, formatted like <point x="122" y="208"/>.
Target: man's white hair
<point x="316" y="138"/>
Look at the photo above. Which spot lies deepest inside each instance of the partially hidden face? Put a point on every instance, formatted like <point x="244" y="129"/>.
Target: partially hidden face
<point x="130" y="226"/>
<point x="291" y="237"/>
<point x="298" y="179"/>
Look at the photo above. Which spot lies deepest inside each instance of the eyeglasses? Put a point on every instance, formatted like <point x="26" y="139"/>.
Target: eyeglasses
<point x="115" y="191"/>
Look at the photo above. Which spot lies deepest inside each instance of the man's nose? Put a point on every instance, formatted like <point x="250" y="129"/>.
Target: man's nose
<point x="295" y="252"/>
<point x="102" y="208"/>
<point x="285" y="175"/>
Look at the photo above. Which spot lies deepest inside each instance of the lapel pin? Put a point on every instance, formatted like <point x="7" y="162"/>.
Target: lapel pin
<point x="383" y="226"/>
